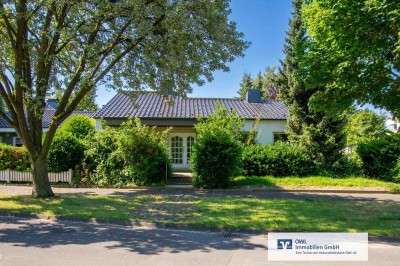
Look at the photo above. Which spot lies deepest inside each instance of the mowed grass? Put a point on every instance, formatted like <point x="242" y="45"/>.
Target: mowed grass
<point x="75" y="205"/>
<point x="312" y="181"/>
<point x="374" y="217"/>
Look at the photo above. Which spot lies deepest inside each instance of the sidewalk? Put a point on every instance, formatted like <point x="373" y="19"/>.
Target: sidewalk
<point x="263" y="193"/>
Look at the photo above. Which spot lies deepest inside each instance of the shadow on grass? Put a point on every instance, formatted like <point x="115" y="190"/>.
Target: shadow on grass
<point x="255" y="194"/>
<point x="379" y="218"/>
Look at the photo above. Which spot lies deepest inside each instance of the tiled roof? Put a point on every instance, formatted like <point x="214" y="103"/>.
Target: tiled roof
<point x="149" y="105"/>
<point x="47" y="115"/>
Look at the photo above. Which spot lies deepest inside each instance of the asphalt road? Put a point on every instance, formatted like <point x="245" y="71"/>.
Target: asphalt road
<point x="43" y="242"/>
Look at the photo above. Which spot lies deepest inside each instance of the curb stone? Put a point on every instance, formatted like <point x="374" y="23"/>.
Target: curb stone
<point x="138" y="224"/>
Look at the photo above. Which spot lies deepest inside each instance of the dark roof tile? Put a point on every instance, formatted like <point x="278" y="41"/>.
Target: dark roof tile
<point x="47" y="115"/>
<point x="150" y="105"/>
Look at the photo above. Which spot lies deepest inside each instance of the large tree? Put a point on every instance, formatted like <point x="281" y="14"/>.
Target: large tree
<point x="320" y="132"/>
<point x="354" y="52"/>
<point x="73" y="46"/>
<point x="365" y="125"/>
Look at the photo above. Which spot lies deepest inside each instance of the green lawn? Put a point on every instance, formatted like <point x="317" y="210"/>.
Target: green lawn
<point x="376" y="218"/>
<point x="313" y="181"/>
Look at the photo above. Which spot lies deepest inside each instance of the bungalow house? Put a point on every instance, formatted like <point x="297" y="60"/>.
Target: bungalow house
<point x="181" y="114"/>
<point x="10" y="137"/>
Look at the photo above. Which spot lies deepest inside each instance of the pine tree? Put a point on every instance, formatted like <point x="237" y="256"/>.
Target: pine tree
<point x="271" y="91"/>
<point x="245" y="85"/>
<point x="266" y="84"/>
<point x="322" y="135"/>
<point x="258" y="83"/>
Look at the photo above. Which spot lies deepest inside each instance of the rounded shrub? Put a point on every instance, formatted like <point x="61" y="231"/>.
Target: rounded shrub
<point x="279" y="159"/>
<point x="66" y="151"/>
<point x="379" y="157"/>
<point x="14" y="158"/>
<point x="79" y="126"/>
<point x="216" y="158"/>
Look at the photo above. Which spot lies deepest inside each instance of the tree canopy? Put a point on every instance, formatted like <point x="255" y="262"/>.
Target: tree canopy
<point x="72" y="46"/>
<point x="365" y="125"/>
<point x="319" y="132"/>
<point x="354" y="50"/>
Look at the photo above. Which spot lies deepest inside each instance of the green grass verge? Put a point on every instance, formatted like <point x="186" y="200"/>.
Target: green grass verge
<point x="312" y="181"/>
<point x="374" y="217"/>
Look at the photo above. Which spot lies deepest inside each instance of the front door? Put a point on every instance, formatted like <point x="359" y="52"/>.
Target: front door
<point x="180" y="149"/>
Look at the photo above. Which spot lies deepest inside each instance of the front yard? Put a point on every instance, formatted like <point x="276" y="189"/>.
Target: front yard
<point x="374" y="217"/>
<point x="316" y="182"/>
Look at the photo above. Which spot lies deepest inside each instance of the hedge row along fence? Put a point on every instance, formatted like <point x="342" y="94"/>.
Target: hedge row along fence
<point x="15" y="176"/>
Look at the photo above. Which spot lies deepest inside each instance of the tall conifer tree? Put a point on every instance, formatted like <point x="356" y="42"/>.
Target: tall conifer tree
<point x="322" y="135"/>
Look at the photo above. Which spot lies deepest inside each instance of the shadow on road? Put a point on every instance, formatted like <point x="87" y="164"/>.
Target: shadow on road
<point x="43" y="234"/>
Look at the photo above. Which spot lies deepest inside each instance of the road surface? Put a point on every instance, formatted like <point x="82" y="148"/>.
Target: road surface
<point x="42" y="242"/>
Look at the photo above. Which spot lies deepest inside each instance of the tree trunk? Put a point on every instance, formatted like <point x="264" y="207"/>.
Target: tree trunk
<point x="41" y="184"/>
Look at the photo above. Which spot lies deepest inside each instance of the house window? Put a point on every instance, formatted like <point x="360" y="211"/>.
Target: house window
<point x="189" y="148"/>
<point x="177" y="150"/>
<point x="280" y="136"/>
<point x="17" y="142"/>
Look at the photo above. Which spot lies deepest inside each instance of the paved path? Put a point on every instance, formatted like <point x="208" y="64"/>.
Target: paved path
<point x="43" y="242"/>
<point x="230" y="193"/>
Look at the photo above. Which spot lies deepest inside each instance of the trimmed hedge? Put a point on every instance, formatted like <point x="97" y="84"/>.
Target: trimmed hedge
<point x="14" y="158"/>
<point x="216" y="158"/>
<point x="279" y="159"/>
<point x="66" y="151"/>
<point x="79" y="126"/>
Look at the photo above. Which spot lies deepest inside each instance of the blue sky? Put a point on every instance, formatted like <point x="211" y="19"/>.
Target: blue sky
<point x="264" y="23"/>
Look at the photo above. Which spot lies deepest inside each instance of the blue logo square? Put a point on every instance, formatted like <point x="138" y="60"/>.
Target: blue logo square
<point x="285" y="244"/>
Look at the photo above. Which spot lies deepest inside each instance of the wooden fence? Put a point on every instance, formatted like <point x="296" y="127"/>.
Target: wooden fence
<point x="14" y="176"/>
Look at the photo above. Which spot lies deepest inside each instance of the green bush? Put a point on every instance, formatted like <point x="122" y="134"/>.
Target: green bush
<point x="65" y="153"/>
<point x="279" y="159"/>
<point x="112" y="171"/>
<point x="79" y="126"/>
<point x="104" y="162"/>
<point x="346" y="165"/>
<point x="101" y="144"/>
<point x="14" y="158"/>
<point x="133" y="153"/>
<point x="379" y="157"/>
<point x="216" y="158"/>
<point x="145" y="150"/>
<point x="396" y="171"/>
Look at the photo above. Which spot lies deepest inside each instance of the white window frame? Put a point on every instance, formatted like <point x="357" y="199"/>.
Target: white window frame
<point x="15" y="140"/>
<point x="185" y="163"/>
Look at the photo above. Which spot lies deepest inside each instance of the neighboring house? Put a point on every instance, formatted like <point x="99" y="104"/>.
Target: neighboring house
<point x="181" y="114"/>
<point x="10" y="137"/>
